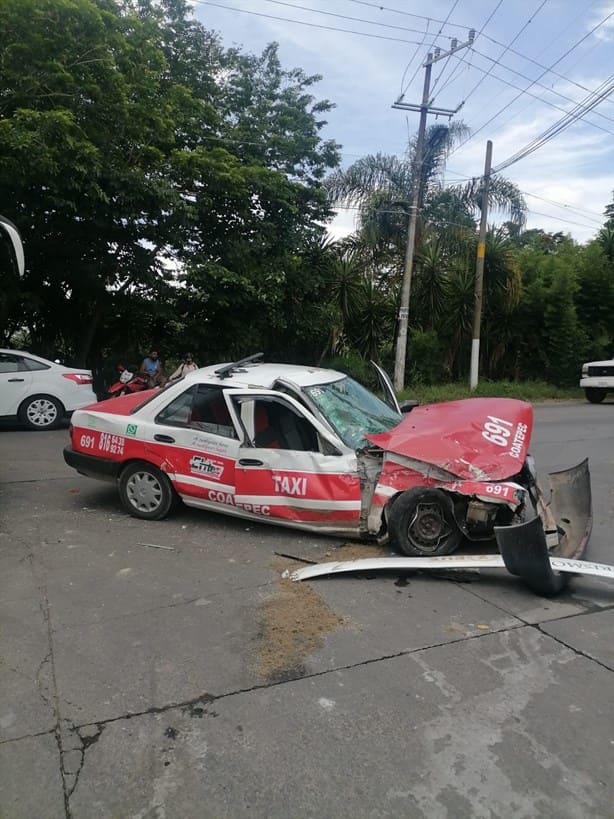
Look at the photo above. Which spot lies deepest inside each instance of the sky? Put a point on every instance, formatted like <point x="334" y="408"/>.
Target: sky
<point x="533" y="65"/>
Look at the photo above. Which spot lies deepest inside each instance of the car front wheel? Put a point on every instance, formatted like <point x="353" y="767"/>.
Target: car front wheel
<point x="146" y="492"/>
<point x="421" y="523"/>
<point x="594" y="395"/>
<point x="41" y="412"/>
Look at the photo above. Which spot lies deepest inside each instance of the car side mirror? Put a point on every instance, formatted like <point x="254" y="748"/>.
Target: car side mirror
<point x="408" y="405"/>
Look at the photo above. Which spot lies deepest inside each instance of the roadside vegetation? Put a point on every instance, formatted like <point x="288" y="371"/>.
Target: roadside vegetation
<point x="532" y="391"/>
<point x="174" y="193"/>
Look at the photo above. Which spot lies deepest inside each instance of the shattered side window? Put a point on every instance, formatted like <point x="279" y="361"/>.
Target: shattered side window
<point x="352" y="410"/>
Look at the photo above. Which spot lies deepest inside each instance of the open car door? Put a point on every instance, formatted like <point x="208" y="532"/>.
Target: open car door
<point x="385" y="383"/>
<point x="290" y="467"/>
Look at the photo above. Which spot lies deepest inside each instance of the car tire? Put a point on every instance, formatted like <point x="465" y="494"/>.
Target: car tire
<point x="594" y="395"/>
<point x="421" y="523"/>
<point x="40" y="412"/>
<point x="146" y="492"/>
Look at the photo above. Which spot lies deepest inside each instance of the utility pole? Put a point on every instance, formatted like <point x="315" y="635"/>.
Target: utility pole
<point x="479" y="272"/>
<point x="424" y="108"/>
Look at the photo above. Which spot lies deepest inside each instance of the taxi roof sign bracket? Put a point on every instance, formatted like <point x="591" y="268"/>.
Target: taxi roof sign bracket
<point x="228" y="369"/>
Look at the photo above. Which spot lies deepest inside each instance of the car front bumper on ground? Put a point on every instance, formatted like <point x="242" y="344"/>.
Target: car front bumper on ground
<point x="92" y="466"/>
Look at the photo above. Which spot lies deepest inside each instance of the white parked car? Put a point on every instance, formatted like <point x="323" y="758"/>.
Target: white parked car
<point x="597" y="380"/>
<point x="40" y="392"/>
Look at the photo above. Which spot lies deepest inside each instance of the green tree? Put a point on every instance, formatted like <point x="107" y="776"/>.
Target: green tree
<point x="550" y="341"/>
<point x="162" y="183"/>
<point x="595" y="299"/>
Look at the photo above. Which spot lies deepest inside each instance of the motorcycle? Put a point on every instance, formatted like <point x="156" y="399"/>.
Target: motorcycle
<point x="128" y="383"/>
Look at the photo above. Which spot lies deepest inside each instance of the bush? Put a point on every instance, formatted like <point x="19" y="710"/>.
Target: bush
<point x="425" y="358"/>
<point x="354" y="365"/>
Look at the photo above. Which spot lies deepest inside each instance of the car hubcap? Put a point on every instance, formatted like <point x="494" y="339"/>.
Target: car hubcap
<point x="144" y="491"/>
<point x="42" y="412"/>
<point x="428" y="527"/>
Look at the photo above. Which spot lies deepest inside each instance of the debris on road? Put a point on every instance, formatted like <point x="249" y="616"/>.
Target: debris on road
<point x="453" y="562"/>
<point x="157" y="546"/>
<point x="293" y="624"/>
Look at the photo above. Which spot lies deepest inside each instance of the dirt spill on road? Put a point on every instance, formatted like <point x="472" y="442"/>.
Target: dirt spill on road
<point x="293" y="624"/>
<point x="295" y="620"/>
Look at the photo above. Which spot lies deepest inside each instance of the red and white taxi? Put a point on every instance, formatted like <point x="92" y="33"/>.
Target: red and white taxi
<point x="311" y="448"/>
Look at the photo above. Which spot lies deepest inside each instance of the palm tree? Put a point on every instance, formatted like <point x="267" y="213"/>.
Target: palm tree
<point x="360" y="305"/>
<point x="381" y="187"/>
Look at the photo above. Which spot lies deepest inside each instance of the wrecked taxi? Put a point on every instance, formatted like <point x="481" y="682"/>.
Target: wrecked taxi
<point x="311" y="448"/>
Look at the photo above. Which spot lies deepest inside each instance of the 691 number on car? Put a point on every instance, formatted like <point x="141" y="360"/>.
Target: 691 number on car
<point x="498" y="431"/>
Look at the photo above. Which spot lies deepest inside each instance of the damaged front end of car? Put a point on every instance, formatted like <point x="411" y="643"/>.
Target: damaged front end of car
<point x="560" y="529"/>
<point x="461" y="473"/>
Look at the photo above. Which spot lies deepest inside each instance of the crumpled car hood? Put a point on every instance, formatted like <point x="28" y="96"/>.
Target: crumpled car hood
<point x="475" y="438"/>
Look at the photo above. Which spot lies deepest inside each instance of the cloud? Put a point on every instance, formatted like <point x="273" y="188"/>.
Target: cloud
<point x="605" y="32"/>
<point x="362" y="76"/>
<point x="343" y="224"/>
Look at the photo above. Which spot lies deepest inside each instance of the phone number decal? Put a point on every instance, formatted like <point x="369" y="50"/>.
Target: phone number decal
<point x="113" y="444"/>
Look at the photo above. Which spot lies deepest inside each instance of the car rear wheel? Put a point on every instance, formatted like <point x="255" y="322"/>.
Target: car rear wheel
<point x="594" y="395"/>
<point x="146" y="492"/>
<point x="41" y="412"/>
<point x="421" y="523"/>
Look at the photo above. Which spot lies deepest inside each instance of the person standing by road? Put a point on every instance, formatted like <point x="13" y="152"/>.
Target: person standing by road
<point x="188" y="365"/>
<point x="152" y="368"/>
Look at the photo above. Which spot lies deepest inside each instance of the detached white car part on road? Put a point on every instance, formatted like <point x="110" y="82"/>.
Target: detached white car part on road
<point x="41" y="393"/>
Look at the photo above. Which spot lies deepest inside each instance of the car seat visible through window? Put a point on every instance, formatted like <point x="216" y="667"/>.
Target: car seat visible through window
<point x="279" y="427"/>
<point x="265" y="435"/>
<point x="210" y="413"/>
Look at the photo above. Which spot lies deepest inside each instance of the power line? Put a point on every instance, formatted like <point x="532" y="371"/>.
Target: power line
<point x="451" y="223"/>
<point x="549" y="69"/>
<point x="587" y="214"/>
<point x="506" y="49"/>
<point x="379" y="7"/>
<point x="593" y="99"/>
<point x="304" y="23"/>
<point x="584" y="212"/>
<point x="560" y="219"/>
<point x="541" y="99"/>
<point x="545" y="71"/>
<point x="346" y="17"/>
<point x="413" y="77"/>
<point x="484" y="24"/>
<point x="445" y="65"/>
<point x="534" y="82"/>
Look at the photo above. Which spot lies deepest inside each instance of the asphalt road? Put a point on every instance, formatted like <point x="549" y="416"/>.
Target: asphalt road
<point x="164" y="670"/>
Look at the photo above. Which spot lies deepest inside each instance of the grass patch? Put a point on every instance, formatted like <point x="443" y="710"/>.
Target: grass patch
<point x="532" y="391"/>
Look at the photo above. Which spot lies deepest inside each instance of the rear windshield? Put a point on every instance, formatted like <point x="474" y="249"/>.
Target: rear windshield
<point x="352" y="410"/>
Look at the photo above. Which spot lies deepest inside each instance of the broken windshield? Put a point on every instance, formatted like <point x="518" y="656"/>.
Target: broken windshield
<point x="352" y="410"/>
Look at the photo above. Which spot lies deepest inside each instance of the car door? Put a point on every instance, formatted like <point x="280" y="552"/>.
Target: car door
<point x="390" y="396"/>
<point x="15" y="382"/>
<point x="290" y="467"/>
